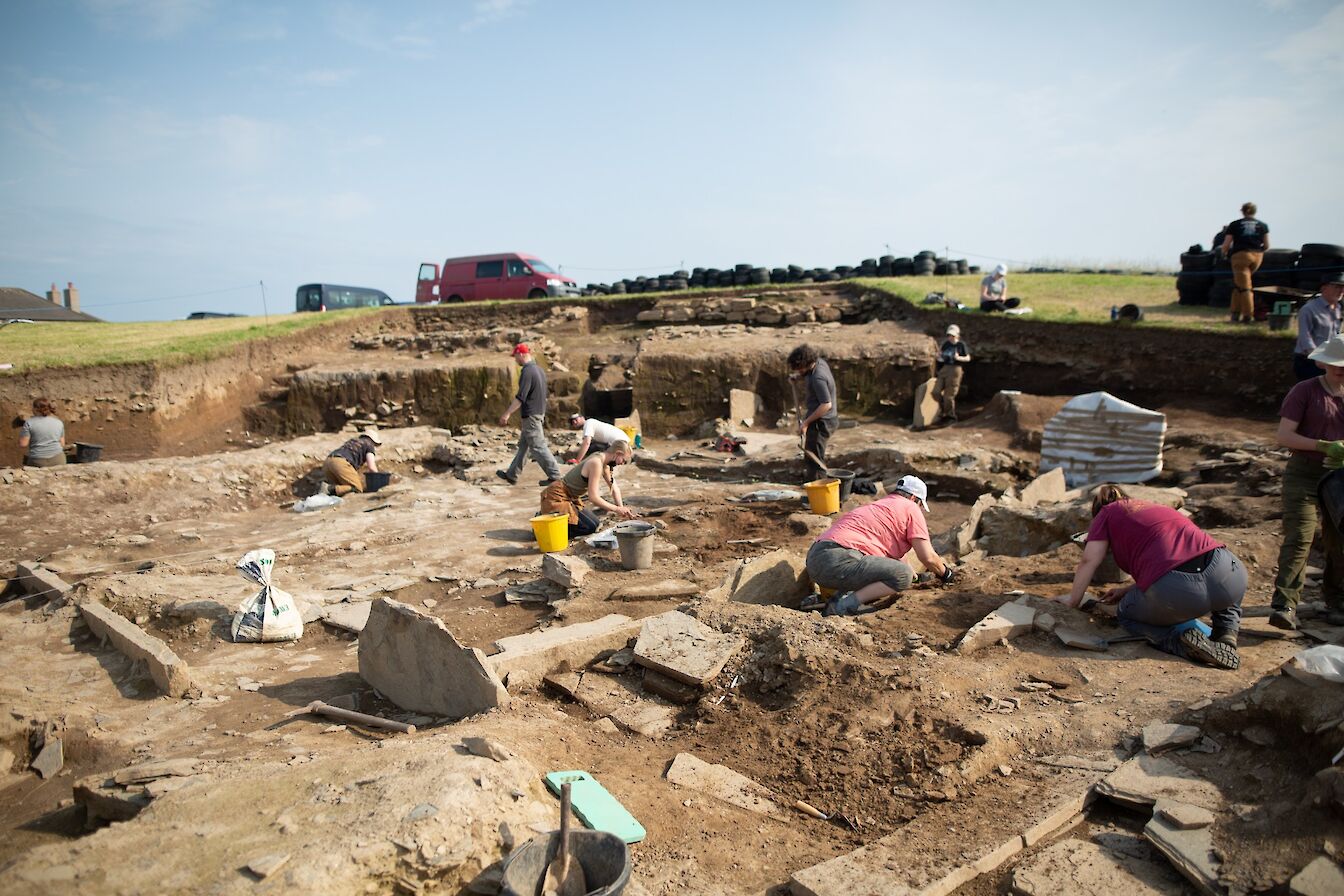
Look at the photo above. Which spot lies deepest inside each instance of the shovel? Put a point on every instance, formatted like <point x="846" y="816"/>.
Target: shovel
<point x="564" y="877"/>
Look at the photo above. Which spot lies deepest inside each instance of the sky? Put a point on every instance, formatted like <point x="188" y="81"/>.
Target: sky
<point x="170" y="156"/>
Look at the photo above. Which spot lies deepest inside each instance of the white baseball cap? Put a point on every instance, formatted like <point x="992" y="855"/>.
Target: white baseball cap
<point x="953" y="330"/>
<point x="915" y="488"/>
<point x="1001" y="269"/>
<point x="373" y="436"/>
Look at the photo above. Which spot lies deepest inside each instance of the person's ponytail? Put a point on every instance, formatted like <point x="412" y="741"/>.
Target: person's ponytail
<point x="1106" y="493"/>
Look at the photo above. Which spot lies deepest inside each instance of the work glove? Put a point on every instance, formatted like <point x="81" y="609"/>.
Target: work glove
<point x="948" y="575"/>
<point x="1332" y="463"/>
<point x="1332" y="450"/>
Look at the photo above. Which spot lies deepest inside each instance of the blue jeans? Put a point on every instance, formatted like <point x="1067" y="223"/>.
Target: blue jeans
<point x="1175" y="602"/>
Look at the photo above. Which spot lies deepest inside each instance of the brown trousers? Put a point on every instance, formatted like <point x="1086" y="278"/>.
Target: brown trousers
<point x="56" y="460"/>
<point x="1244" y="264"/>
<point x="946" y="388"/>
<point x="557" y="499"/>
<point x="344" y="478"/>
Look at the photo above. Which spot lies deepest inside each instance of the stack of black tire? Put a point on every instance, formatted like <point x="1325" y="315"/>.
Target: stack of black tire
<point x="1206" y="277"/>
<point x="926" y="263"/>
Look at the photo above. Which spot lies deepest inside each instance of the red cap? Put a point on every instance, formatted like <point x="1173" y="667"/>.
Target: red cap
<point x="522" y="349"/>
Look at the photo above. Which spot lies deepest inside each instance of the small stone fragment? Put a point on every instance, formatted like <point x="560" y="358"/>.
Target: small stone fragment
<point x="264" y="866"/>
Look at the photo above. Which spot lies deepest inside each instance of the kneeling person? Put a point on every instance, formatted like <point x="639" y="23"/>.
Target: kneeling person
<point x="345" y="467"/>
<point x="597" y="436"/>
<point x="579" y="485"/>
<point x="860" y="554"/>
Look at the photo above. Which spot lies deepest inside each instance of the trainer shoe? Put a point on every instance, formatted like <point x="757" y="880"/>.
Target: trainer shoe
<point x="1283" y="617"/>
<point x="511" y="480"/>
<point x="1197" y="646"/>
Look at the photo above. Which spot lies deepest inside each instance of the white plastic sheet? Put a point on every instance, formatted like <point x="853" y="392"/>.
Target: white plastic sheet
<point x="316" y="502"/>
<point x="1099" y="438"/>
<point x="1317" y="664"/>
<point x="270" y="614"/>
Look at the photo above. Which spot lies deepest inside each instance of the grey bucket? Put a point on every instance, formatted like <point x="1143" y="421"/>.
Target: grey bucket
<point x="635" y="540"/>
<point x="604" y="858"/>
<point x="846" y="478"/>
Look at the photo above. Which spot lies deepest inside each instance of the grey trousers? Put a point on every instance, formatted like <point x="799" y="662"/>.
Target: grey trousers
<point x="835" y="566"/>
<point x="532" y="439"/>
<point x="1179" y="597"/>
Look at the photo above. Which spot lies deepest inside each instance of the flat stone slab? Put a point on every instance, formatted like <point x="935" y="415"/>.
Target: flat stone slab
<point x="103" y="800"/>
<point x="645" y="718"/>
<point x="161" y="768"/>
<point x="1080" y="639"/>
<point x="670" y="688"/>
<point x="169" y="673"/>
<point x="721" y="782"/>
<point x="1322" y="877"/>
<point x="683" y="648"/>
<point x="1144" y="780"/>
<point x="1008" y="621"/>
<point x="540" y="652"/>
<point x="414" y="661"/>
<point x="1083" y="868"/>
<point x="886" y="868"/>
<point x="601" y="696"/>
<point x="350" y="617"/>
<point x="37" y="581"/>
<point x="1162" y="736"/>
<point x="1184" y="816"/>
<point x="1190" y="853"/>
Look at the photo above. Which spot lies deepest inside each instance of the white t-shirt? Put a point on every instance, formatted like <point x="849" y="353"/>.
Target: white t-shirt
<point x="603" y="433"/>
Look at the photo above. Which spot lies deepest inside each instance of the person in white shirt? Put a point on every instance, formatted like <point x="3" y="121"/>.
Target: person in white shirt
<point x="597" y="436"/>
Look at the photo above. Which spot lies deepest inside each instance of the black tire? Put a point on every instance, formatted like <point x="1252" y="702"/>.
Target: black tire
<point x="537" y="294"/>
<point x="1220" y="294"/>
<point x="455" y="298"/>
<point x="884" y="269"/>
<point x="963" y="266"/>
<point x="618" y="288"/>
<point x="1196" y="261"/>
<point x="742" y="269"/>
<point x="1311" y="269"/>
<point x="1193" y="288"/>
<point x="1323" y="250"/>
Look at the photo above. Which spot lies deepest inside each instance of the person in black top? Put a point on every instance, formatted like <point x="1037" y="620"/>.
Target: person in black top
<point x="531" y="400"/>
<point x="952" y="354"/>
<point x="345" y="467"/>
<point x="821" y="419"/>
<point x="1244" y="244"/>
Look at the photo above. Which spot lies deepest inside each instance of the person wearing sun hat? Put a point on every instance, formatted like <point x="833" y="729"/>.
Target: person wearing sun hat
<point x="1311" y="426"/>
<point x="860" y="554"/>
<point x="345" y="467"/>
<point x="952" y="355"/>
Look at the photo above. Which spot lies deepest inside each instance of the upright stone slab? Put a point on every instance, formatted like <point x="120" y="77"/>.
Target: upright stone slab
<point x="170" y="674"/>
<point x="926" y="406"/>
<point x="1008" y="621"/>
<point x="742" y="407"/>
<point x="779" y="578"/>
<point x="1047" y="488"/>
<point x="1190" y="852"/>
<point x="721" y="782"/>
<point x="683" y="648"/>
<point x="39" y="582"/>
<point x="414" y="660"/>
<point x="962" y="537"/>
<point x="564" y="570"/>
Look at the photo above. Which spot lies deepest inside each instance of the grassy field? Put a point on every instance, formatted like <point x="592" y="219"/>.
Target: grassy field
<point x="1082" y="298"/>
<point x="33" y="346"/>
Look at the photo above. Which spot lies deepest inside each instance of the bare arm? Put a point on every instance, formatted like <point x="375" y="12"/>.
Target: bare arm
<point x="1093" y="554"/>
<point x="1227" y="244"/>
<point x="513" y="406"/>
<point x="371" y="462"/>
<point x="24" y="440"/>
<point x="583" y="448"/>
<point x="928" y="556"/>
<point x="596" y="471"/>
<point x="1289" y="437"/>
<point x="822" y="410"/>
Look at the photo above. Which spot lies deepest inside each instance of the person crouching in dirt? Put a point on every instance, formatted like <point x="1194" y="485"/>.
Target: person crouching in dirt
<point x="1180" y="574"/>
<point x="597" y="436"/>
<point x="822" y="417"/>
<point x="42" y="436"/>
<point x="580" y="484"/>
<point x="860" y="554"/>
<point x="345" y="467"/>
<point x="1311" y="426"/>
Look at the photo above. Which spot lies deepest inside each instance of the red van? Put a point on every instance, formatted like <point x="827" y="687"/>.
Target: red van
<point x="503" y="275"/>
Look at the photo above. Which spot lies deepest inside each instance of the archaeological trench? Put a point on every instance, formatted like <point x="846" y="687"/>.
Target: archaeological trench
<point x="951" y="743"/>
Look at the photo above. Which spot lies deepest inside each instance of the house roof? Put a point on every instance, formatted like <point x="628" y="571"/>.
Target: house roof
<point x="15" y="302"/>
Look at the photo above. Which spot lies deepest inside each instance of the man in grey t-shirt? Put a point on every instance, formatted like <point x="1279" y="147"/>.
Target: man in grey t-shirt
<point x="821" y="418"/>
<point x="531" y="401"/>
<point x="1317" y="323"/>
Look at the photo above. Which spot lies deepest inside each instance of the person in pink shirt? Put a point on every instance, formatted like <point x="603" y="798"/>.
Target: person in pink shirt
<point x="1180" y="574"/>
<point x="860" y="554"/>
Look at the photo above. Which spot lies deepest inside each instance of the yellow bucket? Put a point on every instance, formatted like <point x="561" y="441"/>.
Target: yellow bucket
<point x="823" y="495"/>
<point x="552" y="531"/>
<point x="629" y="434"/>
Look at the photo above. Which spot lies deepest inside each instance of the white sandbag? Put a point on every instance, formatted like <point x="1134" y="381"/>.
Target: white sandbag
<point x="316" y="502"/>
<point x="270" y="614"/>
<point x="1317" y="664"/>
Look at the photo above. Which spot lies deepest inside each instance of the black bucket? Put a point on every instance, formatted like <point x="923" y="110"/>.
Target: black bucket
<point x="86" y="453"/>
<point x="604" y="858"/>
<point x="846" y="478"/>
<point x="375" y="481"/>
<point x="1331" y="492"/>
<point x="1132" y="313"/>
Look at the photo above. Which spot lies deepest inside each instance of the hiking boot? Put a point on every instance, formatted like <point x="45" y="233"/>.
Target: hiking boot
<point x="511" y="480"/>
<point x="1197" y="646"/>
<point x="545" y="482"/>
<point x="1283" y="617"/>
<point x="1226" y="636"/>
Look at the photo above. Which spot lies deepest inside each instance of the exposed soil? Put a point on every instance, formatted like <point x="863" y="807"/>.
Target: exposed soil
<point x="877" y="721"/>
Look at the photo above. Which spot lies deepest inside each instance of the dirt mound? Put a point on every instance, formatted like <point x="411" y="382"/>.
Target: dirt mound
<point x="1022" y="415"/>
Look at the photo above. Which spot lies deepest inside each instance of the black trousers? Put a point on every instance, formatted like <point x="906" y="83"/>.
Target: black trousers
<point x="818" y="434"/>
<point x="1304" y="369"/>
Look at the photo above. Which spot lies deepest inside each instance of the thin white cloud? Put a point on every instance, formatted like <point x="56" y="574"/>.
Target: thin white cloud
<point x="365" y="28"/>
<point x="153" y="18"/>
<point x="488" y="12"/>
<point x="324" y="77"/>
<point x="1314" y="50"/>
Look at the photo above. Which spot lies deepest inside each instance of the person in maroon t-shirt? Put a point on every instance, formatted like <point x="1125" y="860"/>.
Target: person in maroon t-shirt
<point x="1311" y="425"/>
<point x="1180" y="574"/>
